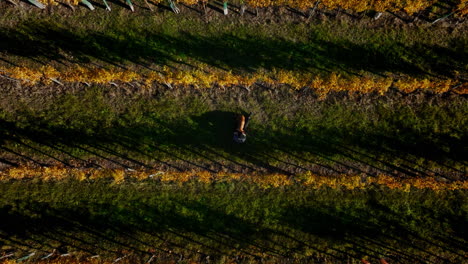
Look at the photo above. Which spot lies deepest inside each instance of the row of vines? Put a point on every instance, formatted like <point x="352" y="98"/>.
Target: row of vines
<point x="409" y="6"/>
<point x="308" y="179"/>
<point x="202" y="79"/>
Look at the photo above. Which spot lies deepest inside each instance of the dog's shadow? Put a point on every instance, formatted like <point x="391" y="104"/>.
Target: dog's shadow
<point x="216" y="127"/>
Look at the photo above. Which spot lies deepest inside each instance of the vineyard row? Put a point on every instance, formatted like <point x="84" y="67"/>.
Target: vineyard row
<point x="202" y="79"/>
<point x="409" y="6"/>
<point x="308" y="179"/>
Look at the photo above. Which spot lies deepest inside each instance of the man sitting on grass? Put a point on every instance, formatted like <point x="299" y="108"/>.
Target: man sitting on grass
<point x="239" y="134"/>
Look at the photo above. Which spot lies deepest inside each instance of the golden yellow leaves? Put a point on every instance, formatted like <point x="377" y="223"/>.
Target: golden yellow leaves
<point x="189" y="2"/>
<point x="270" y="180"/>
<point x="98" y="75"/>
<point x="62" y="261"/>
<point x="24" y="74"/>
<point x="203" y="77"/>
<point x="156" y="2"/>
<point x="275" y="180"/>
<point x="49" y="2"/>
<point x="463" y="8"/>
<point x="409" y="6"/>
<point x="56" y="2"/>
<point x="349" y="182"/>
<point x="412" y="84"/>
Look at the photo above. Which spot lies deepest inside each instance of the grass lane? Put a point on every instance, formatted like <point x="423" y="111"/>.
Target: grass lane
<point x="148" y="42"/>
<point x="228" y="219"/>
<point x="290" y="132"/>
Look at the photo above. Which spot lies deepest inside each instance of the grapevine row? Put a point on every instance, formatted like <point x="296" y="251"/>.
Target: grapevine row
<point x="409" y="6"/>
<point x="202" y="79"/>
<point x="307" y="179"/>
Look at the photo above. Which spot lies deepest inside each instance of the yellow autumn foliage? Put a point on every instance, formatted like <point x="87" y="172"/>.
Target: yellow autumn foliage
<point x="201" y="78"/>
<point x="61" y="261"/>
<point x="274" y="180"/>
<point x="409" y="6"/>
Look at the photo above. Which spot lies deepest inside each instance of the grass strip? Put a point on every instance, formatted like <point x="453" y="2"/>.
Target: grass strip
<point x="229" y="220"/>
<point x="289" y="133"/>
<point x="148" y="42"/>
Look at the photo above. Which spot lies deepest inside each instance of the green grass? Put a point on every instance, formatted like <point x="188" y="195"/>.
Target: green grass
<point x="148" y="41"/>
<point x="224" y="220"/>
<point x="410" y="135"/>
<point x="371" y="135"/>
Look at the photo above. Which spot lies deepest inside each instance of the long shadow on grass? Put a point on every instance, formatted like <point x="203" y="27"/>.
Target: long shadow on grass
<point x="213" y="130"/>
<point x="376" y="229"/>
<point x="194" y="222"/>
<point x="241" y="54"/>
<point x="205" y="142"/>
<point x="147" y="132"/>
<point x="381" y="153"/>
